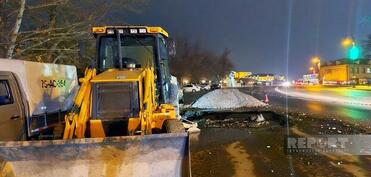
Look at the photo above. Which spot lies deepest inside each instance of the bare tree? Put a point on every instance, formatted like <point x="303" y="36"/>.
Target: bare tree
<point x="52" y="29"/>
<point x="17" y="25"/>
<point x="205" y="64"/>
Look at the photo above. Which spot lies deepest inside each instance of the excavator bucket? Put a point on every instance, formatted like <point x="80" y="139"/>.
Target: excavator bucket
<point x="150" y="155"/>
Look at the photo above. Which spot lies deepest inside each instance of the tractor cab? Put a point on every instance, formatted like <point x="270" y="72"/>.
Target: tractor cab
<point x="130" y="47"/>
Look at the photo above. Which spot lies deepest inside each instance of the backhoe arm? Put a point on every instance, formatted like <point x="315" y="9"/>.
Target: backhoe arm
<point x="76" y="120"/>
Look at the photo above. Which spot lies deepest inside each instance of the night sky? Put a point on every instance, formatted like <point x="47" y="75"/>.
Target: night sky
<point x="256" y="31"/>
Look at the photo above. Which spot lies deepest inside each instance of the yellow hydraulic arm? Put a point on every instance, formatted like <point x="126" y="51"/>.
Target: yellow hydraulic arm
<point x="77" y="118"/>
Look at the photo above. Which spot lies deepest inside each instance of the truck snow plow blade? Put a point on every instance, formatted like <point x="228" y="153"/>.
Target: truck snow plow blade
<point x="150" y="155"/>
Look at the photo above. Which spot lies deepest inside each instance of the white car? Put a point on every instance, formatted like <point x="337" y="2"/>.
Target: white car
<point x="191" y="88"/>
<point x="205" y="87"/>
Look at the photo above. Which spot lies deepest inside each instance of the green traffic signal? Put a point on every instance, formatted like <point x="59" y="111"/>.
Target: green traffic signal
<point x="354" y="52"/>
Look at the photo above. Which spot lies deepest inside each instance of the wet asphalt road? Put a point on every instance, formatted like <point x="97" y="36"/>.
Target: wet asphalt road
<point x="317" y="108"/>
<point x="259" y="151"/>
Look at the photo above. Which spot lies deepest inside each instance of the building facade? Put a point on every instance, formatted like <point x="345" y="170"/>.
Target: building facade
<point x="345" y="71"/>
<point x="262" y="77"/>
<point x="311" y="78"/>
<point x="267" y="79"/>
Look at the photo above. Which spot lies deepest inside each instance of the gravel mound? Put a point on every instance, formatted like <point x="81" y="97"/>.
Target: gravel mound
<point x="226" y="99"/>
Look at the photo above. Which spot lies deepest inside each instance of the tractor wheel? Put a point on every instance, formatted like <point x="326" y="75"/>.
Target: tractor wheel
<point x="173" y="126"/>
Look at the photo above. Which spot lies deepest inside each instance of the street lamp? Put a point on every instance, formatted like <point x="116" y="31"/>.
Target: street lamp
<point x="316" y="59"/>
<point x="346" y="42"/>
<point x="312" y="69"/>
<point x="185" y="81"/>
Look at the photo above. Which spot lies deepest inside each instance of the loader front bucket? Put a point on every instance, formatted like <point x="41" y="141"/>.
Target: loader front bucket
<point x="150" y="155"/>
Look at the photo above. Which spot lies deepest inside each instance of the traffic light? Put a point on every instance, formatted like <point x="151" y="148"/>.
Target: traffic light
<point x="354" y="52"/>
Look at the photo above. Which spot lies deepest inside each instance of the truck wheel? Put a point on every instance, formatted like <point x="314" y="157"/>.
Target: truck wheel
<point x="193" y="90"/>
<point x="173" y="126"/>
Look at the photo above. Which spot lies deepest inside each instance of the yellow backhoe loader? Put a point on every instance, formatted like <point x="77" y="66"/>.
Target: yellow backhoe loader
<point x="123" y="122"/>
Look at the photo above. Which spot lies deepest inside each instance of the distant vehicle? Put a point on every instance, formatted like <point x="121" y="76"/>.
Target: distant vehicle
<point x="205" y="86"/>
<point x="191" y="88"/>
<point x="337" y="82"/>
<point x="299" y="82"/>
<point x="215" y="86"/>
<point x="286" y="84"/>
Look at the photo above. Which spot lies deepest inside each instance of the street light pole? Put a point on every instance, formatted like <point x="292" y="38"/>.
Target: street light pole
<point x="317" y="64"/>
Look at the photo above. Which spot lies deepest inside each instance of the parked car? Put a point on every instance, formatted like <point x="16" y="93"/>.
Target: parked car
<point x="205" y="86"/>
<point x="191" y="88"/>
<point x="215" y="86"/>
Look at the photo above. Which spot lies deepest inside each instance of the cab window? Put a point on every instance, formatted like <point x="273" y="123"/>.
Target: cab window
<point x="5" y="93"/>
<point x="164" y="60"/>
<point x="134" y="49"/>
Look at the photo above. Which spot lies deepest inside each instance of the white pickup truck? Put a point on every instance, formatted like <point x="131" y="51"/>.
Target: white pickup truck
<point x="33" y="97"/>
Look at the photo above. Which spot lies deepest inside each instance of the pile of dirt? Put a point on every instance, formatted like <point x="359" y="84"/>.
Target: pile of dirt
<point x="226" y="99"/>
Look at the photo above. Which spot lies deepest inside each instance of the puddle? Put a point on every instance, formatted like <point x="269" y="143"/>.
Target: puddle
<point x="243" y="164"/>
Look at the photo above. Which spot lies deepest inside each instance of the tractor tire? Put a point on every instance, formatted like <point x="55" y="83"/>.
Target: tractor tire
<point x="173" y="126"/>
